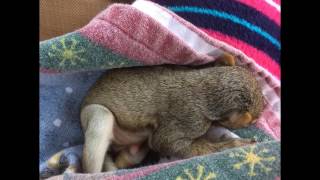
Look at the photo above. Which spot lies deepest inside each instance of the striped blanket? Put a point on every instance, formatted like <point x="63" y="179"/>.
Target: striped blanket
<point x="153" y="33"/>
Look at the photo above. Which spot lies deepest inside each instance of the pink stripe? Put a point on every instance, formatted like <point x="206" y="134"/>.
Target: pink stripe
<point x="145" y="40"/>
<point x="264" y="8"/>
<point x="260" y="57"/>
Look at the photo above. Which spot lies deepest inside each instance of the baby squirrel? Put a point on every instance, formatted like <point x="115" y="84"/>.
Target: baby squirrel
<point x="166" y="108"/>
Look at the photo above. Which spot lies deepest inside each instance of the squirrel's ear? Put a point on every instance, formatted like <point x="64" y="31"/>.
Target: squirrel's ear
<point x="246" y="118"/>
<point x="225" y="59"/>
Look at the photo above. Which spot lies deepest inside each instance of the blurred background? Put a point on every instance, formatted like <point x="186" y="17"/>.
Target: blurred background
<point x="58" y="17"/>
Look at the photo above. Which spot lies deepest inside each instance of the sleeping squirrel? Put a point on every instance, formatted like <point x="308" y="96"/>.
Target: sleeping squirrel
<point x="166" y="108"/>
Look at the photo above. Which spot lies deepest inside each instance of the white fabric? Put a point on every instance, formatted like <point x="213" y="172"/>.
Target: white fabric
<point x="192" y="39"/>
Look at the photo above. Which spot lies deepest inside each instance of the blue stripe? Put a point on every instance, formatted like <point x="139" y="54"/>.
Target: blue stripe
<point x="227" y="16"/>
<point x="236" y="8"/>
<point x="233" y="30"/>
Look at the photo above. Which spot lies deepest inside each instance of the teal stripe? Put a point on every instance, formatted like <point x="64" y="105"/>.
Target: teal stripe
<point x="227" y="16"/>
